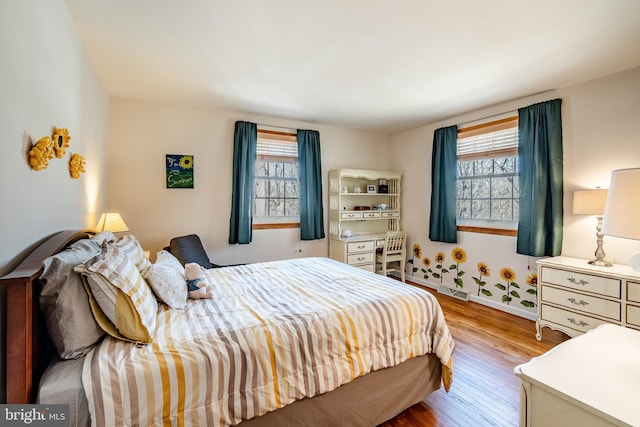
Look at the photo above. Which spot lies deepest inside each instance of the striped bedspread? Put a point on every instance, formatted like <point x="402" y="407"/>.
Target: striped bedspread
<point x="273" y="333"/>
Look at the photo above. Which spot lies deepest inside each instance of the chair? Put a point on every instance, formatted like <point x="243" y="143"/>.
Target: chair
<point x="393" y="254"/>
<point x="189" y="249"/>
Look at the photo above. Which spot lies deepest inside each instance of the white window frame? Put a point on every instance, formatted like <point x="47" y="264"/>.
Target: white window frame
<point x="495" y="139"/>
<point x="275" y="146"/>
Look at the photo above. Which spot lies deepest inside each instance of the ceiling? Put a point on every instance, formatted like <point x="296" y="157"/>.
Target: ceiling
<point x="378" y="65"/>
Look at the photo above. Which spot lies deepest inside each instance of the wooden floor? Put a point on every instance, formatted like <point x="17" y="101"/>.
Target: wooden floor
<point x="485" y="392"/>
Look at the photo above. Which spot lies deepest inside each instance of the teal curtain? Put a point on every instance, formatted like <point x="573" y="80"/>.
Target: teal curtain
<point x="310" y="173"/>
<point x="540" y="165"/>
<point x="245" y="140"/>
<point x="444" y="166"/>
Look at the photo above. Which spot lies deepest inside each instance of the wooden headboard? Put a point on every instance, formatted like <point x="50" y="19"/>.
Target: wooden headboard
<point x="29" y="347"/>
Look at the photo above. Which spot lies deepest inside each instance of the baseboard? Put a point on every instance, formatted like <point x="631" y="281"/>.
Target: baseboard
<point x="484" y="301"/>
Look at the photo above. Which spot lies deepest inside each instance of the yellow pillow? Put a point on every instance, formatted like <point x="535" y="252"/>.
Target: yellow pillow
<point x="122" y="302"/>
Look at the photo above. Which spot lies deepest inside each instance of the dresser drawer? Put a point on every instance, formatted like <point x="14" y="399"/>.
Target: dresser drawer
<point x="370" y="215"/>
<point x="390" y="214"/>
<point x="363" y="258"/>
<point x="350" y="215"/>
<point x="633" y="315"/>
<point x="633" y="291"/>
<point x="368" y="267"/>
<point x="581" y="302"/>
<point x="569" y="319"/>
<point x="582" y="282"/>
<point x="354" y="247"/>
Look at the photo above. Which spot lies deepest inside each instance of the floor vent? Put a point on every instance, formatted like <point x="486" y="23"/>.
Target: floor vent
<point x="456" y="293"/>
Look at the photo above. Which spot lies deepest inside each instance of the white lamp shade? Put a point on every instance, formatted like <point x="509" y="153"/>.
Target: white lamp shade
<point x="111" y="221"/>
<point x="589" y="202"/>
<point x="622" y="211"/>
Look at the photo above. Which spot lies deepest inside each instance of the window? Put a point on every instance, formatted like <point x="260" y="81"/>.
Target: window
<point x="487" y="175"/>
<point x="276" y="200"/>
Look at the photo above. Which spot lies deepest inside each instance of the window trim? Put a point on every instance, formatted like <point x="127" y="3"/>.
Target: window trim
<point x="509" y="228"/>
<point x="267" y="223"/>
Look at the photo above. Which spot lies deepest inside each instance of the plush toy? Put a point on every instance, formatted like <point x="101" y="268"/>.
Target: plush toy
<point x="196" y="284"/>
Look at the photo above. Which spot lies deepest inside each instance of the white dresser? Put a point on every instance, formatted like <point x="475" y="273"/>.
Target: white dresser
<point x="591" y="380"/>
<point x="575" y="297"/>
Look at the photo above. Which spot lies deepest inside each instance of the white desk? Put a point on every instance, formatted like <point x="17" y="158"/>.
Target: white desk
<point x="590" y="380"/>
<point x="359" y="250"/>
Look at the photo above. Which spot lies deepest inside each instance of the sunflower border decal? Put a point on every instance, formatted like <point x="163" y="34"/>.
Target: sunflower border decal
<point x="179" y="171"/>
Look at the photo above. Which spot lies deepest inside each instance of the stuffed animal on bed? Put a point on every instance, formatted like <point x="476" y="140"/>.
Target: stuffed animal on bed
<point x="197" y="286"/>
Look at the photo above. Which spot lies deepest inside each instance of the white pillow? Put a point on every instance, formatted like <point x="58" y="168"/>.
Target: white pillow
<point x="167" y="258"/>
<point x="169" y="284"/>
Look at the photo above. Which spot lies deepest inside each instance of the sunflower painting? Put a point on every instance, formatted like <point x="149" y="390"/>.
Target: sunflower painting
<point x="532" y="281"/>
<point x="483" y="271"/>
<point x="179" y="171"/>
<point x="509" y="277"/>
<point x="417" y="253"/>
<point x="459" y="256"/>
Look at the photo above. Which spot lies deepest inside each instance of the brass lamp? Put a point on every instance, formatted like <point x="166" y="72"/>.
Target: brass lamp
<point x="111" y="221"/>
<point x="592" y="202"/>
<point x="622" y="212"/>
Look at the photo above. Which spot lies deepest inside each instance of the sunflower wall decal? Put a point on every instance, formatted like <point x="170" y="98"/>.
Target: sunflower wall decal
<point x="180" y="171"/>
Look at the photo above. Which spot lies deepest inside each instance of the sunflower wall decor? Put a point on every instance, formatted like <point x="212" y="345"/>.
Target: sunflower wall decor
<point x="76" y="165"/>
<point x="506" y="290"/>
<point x="40" y="153"/>
<point x="61" y="140"/>
<point x="180" y="170"/>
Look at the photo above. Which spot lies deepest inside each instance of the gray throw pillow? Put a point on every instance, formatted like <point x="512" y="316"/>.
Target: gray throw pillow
<point x="65" y="303"/>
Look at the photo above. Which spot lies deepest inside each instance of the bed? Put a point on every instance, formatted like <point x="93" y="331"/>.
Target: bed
<point x="307" y="341"/>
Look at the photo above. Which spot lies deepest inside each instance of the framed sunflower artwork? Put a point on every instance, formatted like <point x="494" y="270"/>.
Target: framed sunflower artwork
<point x="179" y="171"/>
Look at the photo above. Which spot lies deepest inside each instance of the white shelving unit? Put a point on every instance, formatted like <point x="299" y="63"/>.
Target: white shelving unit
<point x="356" y="210"/>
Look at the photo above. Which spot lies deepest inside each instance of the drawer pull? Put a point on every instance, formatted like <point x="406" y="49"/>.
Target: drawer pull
<point x="361" y="258"/>
<point x="361" y="246"/>
<point x="581" y="302"/>
<point x="580" y="323"/>
<point x="576" y="281"/>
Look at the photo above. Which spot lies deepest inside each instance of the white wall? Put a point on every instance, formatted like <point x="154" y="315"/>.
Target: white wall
<point x="141" y="133"/>
<point x="599" y="135"/>
<point x="46" y="81"/>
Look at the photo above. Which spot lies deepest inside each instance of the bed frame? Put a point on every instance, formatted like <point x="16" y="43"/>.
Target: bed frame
<point x="29" y="347"/>
<point x="29" y="350"/>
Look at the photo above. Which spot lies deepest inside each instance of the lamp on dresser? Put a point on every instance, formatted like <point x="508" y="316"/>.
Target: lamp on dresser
<point x="622" y="211"/>
<point x="592" y="202"/>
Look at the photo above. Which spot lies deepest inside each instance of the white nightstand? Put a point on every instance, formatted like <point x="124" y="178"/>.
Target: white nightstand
<point x="590" y="380"/>
<point x="575" y="297"/>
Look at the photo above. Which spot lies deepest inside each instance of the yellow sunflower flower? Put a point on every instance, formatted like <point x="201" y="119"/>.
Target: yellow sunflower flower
<point x="507" y="274"/>
<point x="186" y="162"/>
<point x="426" y="261"/>
<point x="40" y="153"/>
<point x="532" y="280"/>
<point x="484" y="269"/>
<point x="459" y="255"/>
<point x="417" y="250"/>
<point x="439" y="257"/>
<point x="61" y="140"/>
<point x="76" y="166"/>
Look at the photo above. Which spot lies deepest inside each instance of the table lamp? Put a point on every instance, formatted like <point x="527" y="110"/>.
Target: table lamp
<point x="111" y="221"/>
<point x="592" y="202"/>
<point x="622" y="211"/>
